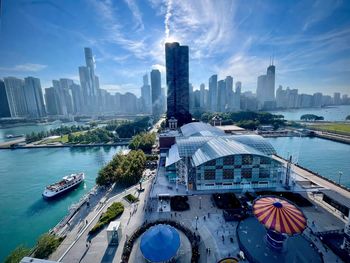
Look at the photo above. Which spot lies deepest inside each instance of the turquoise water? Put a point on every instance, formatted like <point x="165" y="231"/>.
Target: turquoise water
<point x="337" y="113"/>
<point x="24" y="215"/>
<point x="31" y="128"/>
<point x="323" y="156"/>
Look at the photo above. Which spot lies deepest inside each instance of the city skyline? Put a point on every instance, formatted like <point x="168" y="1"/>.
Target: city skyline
<point x="310" y="54"/>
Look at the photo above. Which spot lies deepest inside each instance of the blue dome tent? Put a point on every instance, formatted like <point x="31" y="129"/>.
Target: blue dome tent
<point x="160" y="243"/>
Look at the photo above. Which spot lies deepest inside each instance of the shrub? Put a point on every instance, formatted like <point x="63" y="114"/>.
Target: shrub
<point x="131" y="198"/>
<point x="46" y="244"/>
<point x="17" y="254"/>
<point x="115" y="210"/>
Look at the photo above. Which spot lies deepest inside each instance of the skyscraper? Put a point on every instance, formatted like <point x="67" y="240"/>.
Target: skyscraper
<point x="265" y="91"/>
<point x="202" y="96"/>
<point x="34" y="98"/>
<point x="89" y="83"/>
<point x="4" y="105"/>
<point x="229" y="100"/>
<point x="15" y="96"/>
<point x="237" y="96"/>
<point x="146" y="95"/>
<point x="221" y="105"/>
<point x="177" y="80"/>
<point x="260" y="90"/>
<point x="270" y="83"/>
<point x="52" y="101"/>
<point x="213" y="91"/>
<point x="156" y="93"/>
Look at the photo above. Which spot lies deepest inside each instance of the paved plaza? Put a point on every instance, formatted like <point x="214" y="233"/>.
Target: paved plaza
<point x="203" y="218"/>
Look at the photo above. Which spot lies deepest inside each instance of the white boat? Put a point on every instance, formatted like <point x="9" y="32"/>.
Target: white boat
<point x="65" y="185"/>
<point x="11" y="136"/>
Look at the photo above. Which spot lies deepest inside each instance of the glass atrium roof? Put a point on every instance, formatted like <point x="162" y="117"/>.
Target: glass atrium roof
<point x="200" y="129"/>
<point x="255" y="141"/>
<point x="219" y="147"/>
<point x="189" y="145"/>
<point x="172" y="156"/>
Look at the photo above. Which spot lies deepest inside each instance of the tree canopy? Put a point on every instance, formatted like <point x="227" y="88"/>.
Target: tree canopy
<point x="123" y="169"/>
<point x="246" y="119"/>
<point x="311" y="117"/>
<point x="143" y="141"/>
<point x="347" y="118"/>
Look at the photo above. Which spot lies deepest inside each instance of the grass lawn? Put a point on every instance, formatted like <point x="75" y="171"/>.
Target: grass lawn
<point x="333" y="127"/>
<point x="63" y="139"/>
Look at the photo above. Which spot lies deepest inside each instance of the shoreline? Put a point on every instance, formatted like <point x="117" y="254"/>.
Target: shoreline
<point x="7" y="145"/>
<point x="321" y="177"/>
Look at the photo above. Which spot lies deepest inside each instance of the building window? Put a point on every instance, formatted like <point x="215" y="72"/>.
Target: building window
<point x="229" y="160"/>
<point x="211" y="163"/>
<point x="209" y="174"/>
<point x="199" y="176"/>
<point x="238" y="166"/>
<point x="247" y="159"/>
<point x="264" y="160"/>
<point x="219" y="167"/>
<point x="228" y="174"/>
<point x="264" y="173"/>
<point x="246" y="173"/>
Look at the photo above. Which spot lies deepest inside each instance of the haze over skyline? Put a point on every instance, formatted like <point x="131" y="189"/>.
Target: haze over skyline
<point x="309" y="40"/>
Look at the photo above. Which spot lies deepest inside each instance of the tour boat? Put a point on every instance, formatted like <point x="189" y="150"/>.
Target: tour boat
<point x="66" y="184"/>
<point x="11" y="136"/>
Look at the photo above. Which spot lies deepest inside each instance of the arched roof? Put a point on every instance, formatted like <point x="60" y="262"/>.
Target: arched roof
<point x="220" y="147"/>
<point x="255" y="141"/>
<point x="200" y="129"/>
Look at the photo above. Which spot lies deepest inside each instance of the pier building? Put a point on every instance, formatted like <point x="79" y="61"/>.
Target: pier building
<point x="203" y="157"/>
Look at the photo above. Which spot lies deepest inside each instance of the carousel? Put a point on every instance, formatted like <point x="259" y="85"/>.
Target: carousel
<point x="274" y="233"/>
<point x="281" y="219"/>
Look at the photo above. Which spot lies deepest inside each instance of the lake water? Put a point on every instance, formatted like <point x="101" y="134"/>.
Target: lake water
<point x="336" y="113"/>
<point x="319" y="155"/>
<point x="24" y="173"/>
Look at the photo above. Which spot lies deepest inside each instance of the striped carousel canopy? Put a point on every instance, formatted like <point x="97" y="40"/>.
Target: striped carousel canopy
<point x="279" y="215"/>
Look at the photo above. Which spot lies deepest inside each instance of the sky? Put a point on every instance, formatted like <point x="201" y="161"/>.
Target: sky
<point x="309" y="40"/>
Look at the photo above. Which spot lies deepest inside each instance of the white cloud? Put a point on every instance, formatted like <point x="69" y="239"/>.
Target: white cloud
<point x="321" y="9"/>
<point x="27" y="67"/>
<point x="160" y="67"/>
<point x="136" y="14"/>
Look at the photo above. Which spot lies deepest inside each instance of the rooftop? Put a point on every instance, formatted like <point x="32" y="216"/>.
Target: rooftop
<point x="200" y="129"/>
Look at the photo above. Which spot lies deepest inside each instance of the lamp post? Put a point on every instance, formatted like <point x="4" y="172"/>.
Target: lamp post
<point x="200" y="202"/>
<point x="340" y="174"/>
<point x="196" y="222"/>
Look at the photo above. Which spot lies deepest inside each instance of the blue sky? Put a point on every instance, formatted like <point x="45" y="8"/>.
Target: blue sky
<point x="309" y="40"/>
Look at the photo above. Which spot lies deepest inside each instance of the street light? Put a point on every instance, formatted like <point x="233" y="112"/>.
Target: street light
<point x="340" y="174"/>
<point x="200" y="202"/>
<point x="196" y="222"/>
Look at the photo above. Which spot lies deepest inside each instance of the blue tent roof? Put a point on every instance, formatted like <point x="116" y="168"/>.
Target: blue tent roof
<point x="160" y="243"/>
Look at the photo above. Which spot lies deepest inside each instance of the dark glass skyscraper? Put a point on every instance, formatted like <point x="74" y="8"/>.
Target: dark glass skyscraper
<point x="177" y="80"/>
<point x="4" y="105"/>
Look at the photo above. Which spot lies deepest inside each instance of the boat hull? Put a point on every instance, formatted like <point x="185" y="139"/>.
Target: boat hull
<point x="63" y="192"/>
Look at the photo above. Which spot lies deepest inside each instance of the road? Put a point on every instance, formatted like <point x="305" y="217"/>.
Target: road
<point x="316" y="179"/>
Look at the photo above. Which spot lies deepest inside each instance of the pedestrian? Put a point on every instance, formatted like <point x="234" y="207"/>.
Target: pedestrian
<point x="86" y="221"/>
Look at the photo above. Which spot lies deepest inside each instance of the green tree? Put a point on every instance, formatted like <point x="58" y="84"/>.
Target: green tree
<point x="17" y="254"/>
<point x="347" y="118"/>
<point x="46" y="244"/>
